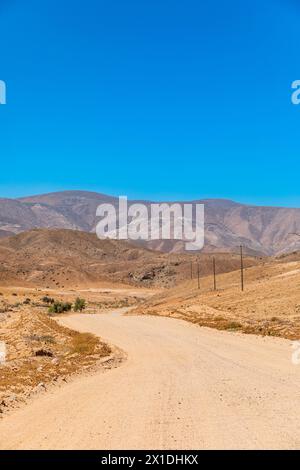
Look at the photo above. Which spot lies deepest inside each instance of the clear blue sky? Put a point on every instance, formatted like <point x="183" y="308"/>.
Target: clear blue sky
<point x="159" y="99"/>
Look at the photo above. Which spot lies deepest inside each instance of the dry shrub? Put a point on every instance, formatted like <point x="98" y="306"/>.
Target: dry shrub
<point x="233" y="325"/>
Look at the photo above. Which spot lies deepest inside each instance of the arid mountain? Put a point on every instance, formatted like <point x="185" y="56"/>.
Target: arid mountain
<point x="58" y="258"/>
<point x="262" y="230"/>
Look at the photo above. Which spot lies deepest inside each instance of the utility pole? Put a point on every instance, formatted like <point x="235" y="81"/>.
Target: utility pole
<point x="242" y="268"/>
<point x="214" y="271"/>
<point x="191" y="269"/>
<point x="169" y="256"/>
<point x="198" y="274"/>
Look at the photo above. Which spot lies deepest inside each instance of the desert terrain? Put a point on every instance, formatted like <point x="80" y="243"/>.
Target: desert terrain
<point x="180" y="387"/>
<point x="268" y="306"/>
<point x="151" y="349"/>
<point x="40" y="352"/>
<point x="63" y="259"/>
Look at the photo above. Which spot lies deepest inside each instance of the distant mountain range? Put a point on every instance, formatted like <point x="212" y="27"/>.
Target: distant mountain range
<point x="261" y="230"/>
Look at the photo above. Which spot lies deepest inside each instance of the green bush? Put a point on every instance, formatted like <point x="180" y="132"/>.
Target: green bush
<point x="79" y="305"/>
<point x="60" y="307"/>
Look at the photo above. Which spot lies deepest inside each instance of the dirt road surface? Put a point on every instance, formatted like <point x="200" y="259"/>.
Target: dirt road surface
<point x="181" y="387"/>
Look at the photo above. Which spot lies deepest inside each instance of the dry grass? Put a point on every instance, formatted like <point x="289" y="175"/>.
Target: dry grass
<point x="87" y="344"/>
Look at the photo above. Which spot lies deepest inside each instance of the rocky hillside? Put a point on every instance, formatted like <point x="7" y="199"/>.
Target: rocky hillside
<point x="58" y="258"/>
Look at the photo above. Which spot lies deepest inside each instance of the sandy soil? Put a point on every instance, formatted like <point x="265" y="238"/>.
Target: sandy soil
<point x="182" y="386"/>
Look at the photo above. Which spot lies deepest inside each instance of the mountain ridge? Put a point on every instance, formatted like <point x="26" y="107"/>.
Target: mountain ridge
<point x="263" y="230"/>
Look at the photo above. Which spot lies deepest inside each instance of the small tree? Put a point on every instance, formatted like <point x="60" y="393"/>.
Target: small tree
<point x="79" y="305"/>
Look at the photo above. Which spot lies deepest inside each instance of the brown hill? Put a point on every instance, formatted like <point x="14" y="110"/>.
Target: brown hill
<point x="60" y="258"/>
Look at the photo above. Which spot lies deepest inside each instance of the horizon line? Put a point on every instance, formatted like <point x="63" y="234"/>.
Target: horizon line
<point x="150" y="200"/>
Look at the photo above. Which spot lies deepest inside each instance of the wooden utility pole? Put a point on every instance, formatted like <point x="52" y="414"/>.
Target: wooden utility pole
<point x="242" y="268"/>
<point x="198" y="274"/>
<point x="214" y="271"/>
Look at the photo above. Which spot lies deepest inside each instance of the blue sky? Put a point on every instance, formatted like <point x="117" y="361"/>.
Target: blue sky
<point x="154" y="99"/>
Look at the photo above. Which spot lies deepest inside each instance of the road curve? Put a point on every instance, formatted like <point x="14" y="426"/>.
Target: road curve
<point x="182" y="387"/>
